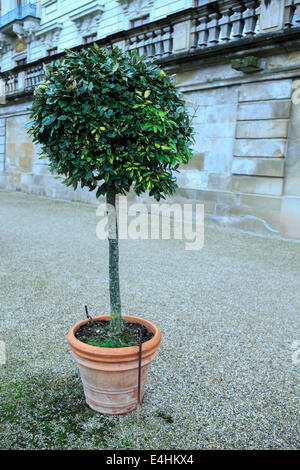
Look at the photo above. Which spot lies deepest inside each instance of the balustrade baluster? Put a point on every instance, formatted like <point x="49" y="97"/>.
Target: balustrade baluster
<point x="250" y="17"/>
<point x="167" y="40"/>
<point x="149" y="44"/>
<point x="225" y="25"/>
<point x="213" y="28"/>
<point x="158" y="49"/>
<point x="237" y="21"/>
<point x="202" y="32"/>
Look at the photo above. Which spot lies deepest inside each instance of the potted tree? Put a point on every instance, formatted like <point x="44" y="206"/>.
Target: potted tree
<point x="112" y="122"/>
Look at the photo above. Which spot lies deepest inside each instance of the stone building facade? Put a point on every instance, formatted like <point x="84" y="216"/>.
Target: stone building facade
<point x="237" y="63"/>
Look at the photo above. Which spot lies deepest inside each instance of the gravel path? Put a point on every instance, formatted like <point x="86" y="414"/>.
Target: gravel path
<point x="224" y="376"/>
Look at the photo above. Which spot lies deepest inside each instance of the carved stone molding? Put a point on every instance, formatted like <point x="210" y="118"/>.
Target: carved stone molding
<point x="88" y="19"/>
<point x="136" y="7"/>
<point x="26" y="29"/>
<point x="49" y="35"/>
<point x="6" y="43"/>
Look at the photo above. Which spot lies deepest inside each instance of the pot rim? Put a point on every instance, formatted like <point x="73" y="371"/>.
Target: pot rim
<point x="124" y="354"/>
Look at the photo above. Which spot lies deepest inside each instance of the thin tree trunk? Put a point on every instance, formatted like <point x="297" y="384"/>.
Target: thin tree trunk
<point x="114" y="281"/>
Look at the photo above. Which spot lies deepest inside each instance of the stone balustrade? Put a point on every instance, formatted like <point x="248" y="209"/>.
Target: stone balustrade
<point x="11" y="82"/>
<point x="155" y="43"/>
<point x="195" y="30"/>
<point x="229" y="22"/>
<point x="34" y="75"/>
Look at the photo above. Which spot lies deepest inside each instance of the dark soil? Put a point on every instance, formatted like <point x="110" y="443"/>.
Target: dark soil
<point x="98" y="333"/>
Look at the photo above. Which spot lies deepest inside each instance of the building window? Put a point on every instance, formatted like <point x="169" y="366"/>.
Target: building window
<point x="89" y="39"/>
<point x="52" y="51"/>
<point x="139" y="21"/>
<point x="21" y="62"/>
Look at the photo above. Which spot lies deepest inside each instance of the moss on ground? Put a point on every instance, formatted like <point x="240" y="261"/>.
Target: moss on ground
<point x="43" y="413"/>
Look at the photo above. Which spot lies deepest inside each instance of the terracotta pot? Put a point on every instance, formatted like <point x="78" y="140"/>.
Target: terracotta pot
<point x="110" y="375"/>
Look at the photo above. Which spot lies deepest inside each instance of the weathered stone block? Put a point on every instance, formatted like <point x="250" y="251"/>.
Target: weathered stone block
<point x="260" y="148"/>
<point x="181" y="36"/>
<point x="271" y="15"/>
<point x="27" y="179"/>
<point x="196" y="162"/>
<point x="218" y="180"/>
<point x="217" y="153"/>
<point x="268" y="203"/>
<point x="182" y="195"/>
<point x="269" y="90"/>
<point x="192" y="179"/>
<point x="262" y="129"/>
<point x="248" y="64"/>
<point x="286" y="59"/>
<point x="221" y="197"/>
<point x="204" y="114"/>
<point x="260" y="210"/>
<point x="257" y="185"/>
<point x="211" y="97"/>
<point x="292" y="168"/>
<point x="19" y="147"/>
<point x="3" y="181"/>
<point x="216" y="130"/>
<point x="264" y="110"/>
<point x="258" y="166"/>
<point x="294" y="130"/>
<point x="41" y="169"/>
<point x="290" y="217"/>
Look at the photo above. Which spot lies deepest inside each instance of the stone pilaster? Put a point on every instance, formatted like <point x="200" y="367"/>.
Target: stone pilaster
<point x="182" y="36"/>
<point x="272" y="15"/>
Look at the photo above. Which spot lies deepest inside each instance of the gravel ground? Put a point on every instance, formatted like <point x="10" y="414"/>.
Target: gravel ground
<point x="229" y="314"/>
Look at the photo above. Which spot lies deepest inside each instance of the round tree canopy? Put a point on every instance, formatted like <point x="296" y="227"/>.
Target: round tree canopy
<point x="107" y="119"/>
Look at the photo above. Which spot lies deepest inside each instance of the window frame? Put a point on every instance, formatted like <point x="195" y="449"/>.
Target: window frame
<point x="22" y="61"/>
<point x="139" y="18"/>
<point x="49" y="51"/>
<point x="85" y="38"/>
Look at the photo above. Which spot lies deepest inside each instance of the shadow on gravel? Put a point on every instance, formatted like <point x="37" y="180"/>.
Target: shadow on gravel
<point x="49" y="413"/>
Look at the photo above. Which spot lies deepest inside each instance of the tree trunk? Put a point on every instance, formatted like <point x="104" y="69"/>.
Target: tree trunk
<point x="114" y="281"/>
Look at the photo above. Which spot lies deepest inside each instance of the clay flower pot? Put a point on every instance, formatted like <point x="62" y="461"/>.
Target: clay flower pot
<point x="110" y="375"/>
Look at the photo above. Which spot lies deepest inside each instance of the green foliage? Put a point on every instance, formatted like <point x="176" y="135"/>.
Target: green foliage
<point x="109" y="119"/>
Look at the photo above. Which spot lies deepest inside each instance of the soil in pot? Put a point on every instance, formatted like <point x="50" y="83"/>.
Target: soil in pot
<point x="98" y="333"/>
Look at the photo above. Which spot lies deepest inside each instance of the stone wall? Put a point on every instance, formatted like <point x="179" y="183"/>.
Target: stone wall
<point x="246" y="167"/>
<point x="247" y="154"/>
